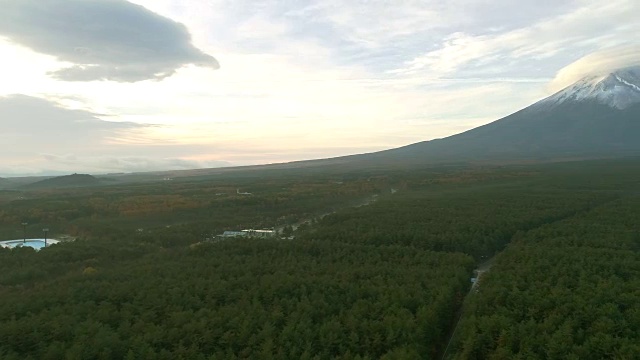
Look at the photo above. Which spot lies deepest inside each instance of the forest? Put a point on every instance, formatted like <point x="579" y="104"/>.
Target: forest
<point x="567" y="290"/>
<point x="379" y="267"/>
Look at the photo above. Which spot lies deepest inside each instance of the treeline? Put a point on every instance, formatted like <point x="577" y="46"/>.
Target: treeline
<point x="478" y="222"/>
<point x="564" y="291"/>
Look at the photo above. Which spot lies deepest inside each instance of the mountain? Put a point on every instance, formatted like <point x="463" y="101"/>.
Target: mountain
<point x="74" y="180"/>
<point x="598" y="116"/>
<point x="619" y="89"/>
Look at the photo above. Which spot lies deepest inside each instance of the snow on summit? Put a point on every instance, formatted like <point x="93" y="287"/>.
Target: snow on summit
<point x="618" y="89"/>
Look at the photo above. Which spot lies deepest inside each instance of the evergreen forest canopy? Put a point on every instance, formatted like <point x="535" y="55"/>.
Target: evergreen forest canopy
<point x="379" y="266"/>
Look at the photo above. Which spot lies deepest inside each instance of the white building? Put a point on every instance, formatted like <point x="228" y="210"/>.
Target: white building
<point x="260" y="233"/>
<point x="263" y="234"/>
<point x="231" y="234"/>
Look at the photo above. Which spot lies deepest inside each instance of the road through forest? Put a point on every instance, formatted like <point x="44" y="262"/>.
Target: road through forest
<point x="477" y="273"/>
<point x="362" y="202"/>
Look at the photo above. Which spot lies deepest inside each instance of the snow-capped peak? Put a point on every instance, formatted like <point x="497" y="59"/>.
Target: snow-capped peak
<point x="619" y="89"/>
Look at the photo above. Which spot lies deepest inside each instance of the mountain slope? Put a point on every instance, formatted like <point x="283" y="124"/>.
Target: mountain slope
<point x="595" y="117"/>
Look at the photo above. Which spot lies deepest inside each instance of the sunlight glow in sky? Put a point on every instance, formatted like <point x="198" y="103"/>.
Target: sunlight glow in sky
<point x="114" y="86"/>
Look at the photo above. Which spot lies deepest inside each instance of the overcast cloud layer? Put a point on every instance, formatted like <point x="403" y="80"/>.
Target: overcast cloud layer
<point x="300" y="79"/>
<point x="102" y="39"/>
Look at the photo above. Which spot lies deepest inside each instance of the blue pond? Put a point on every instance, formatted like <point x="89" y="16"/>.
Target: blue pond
<point x="33" y="243"/>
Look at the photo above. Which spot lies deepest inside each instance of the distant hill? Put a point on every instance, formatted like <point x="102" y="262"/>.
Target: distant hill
<point x="5" y="183"/>
<point x="74" y="180"/>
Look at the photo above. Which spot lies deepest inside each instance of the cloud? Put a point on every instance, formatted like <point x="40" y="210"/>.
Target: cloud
<point x="29" y="121"/>
<point x="380" y="23"/>
<point x="53" y="164"/>
<point x="101" y="39"/>
<point x="529" y="48"/>
<point x="598" y="63"/>
<point x="41" y="117"/>
<point x="40" y="136"/>
<point x="106" y="164"/>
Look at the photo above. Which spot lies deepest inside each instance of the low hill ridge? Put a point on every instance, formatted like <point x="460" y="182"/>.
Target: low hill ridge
<point x="73" y="180"/>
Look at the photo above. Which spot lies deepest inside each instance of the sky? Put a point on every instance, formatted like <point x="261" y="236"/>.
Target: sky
<point x="108" y="86"/>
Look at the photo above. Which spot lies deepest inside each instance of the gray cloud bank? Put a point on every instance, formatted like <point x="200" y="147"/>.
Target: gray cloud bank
<point x="127" y="164"/>
<point x="103" y="39"/>
<point x="38" y="136"/>
<point x="30" y="121"/>
<point x="53" y="164"/>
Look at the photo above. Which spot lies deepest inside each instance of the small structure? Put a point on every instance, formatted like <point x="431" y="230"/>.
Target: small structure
<point x="232" y="234"/>
<point x="262" y="234"/>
